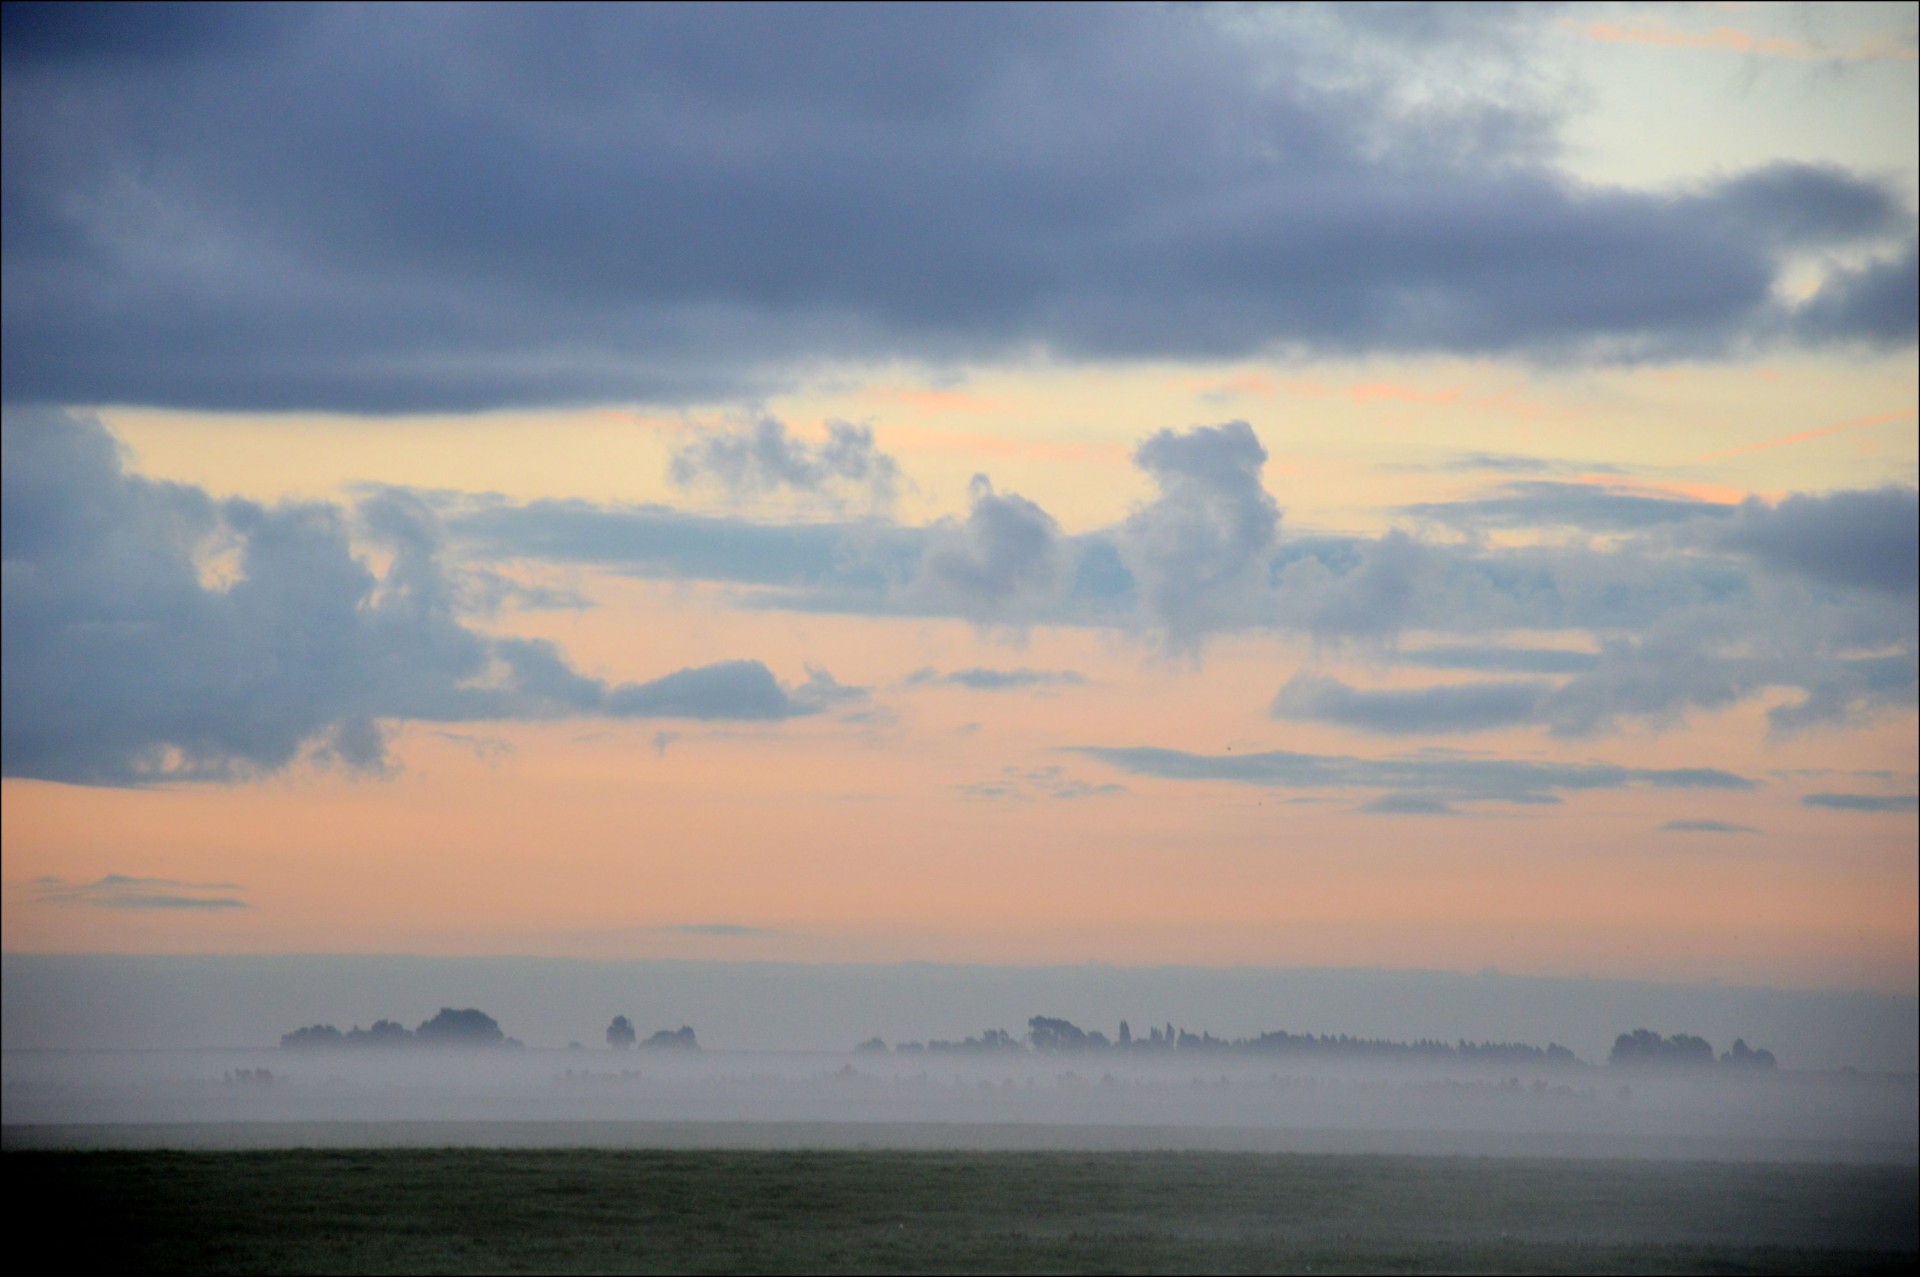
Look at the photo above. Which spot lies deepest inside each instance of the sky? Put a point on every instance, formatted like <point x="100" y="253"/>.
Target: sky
<point x="1393" y="486"/>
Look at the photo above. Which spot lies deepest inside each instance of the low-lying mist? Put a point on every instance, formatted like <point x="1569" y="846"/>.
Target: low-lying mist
<point x="966" y="1099"/>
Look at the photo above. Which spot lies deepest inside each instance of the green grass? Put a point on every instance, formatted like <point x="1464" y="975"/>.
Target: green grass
<point x="587" y="1210"/>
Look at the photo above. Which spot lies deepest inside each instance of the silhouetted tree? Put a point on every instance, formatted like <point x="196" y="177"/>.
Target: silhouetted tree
<point x="620" y="1034"/>
<point x="470" y="1027"/>
<point x="1126" y="1034"/>
<point x="383" y="1033"/>
<point x="1747" y="1058"/>
<point x="680" y="1039"/>
<point x="311" y="1036"/>
<point x="1048" y="1034"/>
<point x="872" y="1046"/>
<point x="1644" y="1046"/>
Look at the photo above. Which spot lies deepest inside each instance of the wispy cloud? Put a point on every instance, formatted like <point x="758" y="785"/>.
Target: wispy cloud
<point x="1434" y="774"/>
<point x="733" y="930"/>
<point x="124" y="891"/>
<point x="1020" y="784"/>
<point x="991" y="680"/>
<point x="1864" y="802"/>
<point x="1706" y="827"/>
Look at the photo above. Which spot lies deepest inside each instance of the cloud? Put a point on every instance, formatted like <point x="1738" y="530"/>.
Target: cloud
<point x="728" y="690"/>
<point x="1436" y="775"/>
<point x="321" y="208"/>
<point x="760" y="456"/>
<point x="1706" y="827"/>
<point x="1863" y="802"/>
<point x="122" y="891"/>
<point x="1547" y="503"/>
<point x="1693" y="607"/>
<point x="152" y="633"/>
<point x="1022" y="784"/>
<point x="1868" y="538"/>
<point x="1877" y="304"/>
<point x="1499" y="660"/>
<point x="1408" y="805"/>
<point x="1197" y="550"/>
<point x="989" y="680"/>
<point x="1459" y="707"/>
<point x="1006" y="563"/>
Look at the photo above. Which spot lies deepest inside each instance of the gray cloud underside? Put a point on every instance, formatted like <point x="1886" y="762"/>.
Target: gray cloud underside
<point x="1435" y="778"/>
<point x="123" y="665"/>
<point x="1864" y="802"/>
<point x="1706" y="827"/>
<point x="382" y="209"/>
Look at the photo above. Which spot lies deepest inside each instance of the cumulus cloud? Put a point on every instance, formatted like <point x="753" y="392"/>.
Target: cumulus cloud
<point x="1005" y="563"/>
<point x="761" y="456"/>
<point x="322" y="207"/>
<point x="153" y="633"/>
<point x="1435" y="775"/>
<point x="1198" y="552"/>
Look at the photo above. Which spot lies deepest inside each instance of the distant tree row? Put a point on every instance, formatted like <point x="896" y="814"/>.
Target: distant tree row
<point x="1645" y="1047"/>
<point x="621" y="1035"/>
<point x="468" y="1028"/>
<point x="1046" y="1033"/>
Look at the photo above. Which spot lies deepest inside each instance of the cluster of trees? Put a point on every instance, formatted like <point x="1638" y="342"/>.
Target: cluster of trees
<point x="467" y="1028"/>
<point x="1046" y="1033"/>
<point x="621" y="1035"/>
<point x="1645" y="1047"/>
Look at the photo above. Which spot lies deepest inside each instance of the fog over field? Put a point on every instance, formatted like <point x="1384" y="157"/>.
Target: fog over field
<point x="141" y="1051"/>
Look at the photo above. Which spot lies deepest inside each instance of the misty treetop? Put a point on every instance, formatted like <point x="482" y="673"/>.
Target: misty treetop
<point x="1644" y="1047"/>
<point x="450" y="1028"/>
<point x="622" y="1035"/>
<point x="1047" y="1033"/>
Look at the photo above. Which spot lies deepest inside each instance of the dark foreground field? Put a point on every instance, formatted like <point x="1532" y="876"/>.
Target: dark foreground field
<point x="585" y="1210"/>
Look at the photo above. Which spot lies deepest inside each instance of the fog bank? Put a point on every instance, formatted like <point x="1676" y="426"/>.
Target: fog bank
<point x="118" y="1002"/>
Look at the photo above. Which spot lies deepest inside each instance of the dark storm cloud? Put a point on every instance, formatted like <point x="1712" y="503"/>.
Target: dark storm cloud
<point x="382" y="208"/>
<point x="1882" y="803"/>
<point x="1436" y="776"/>
<point x="149" y="632"/>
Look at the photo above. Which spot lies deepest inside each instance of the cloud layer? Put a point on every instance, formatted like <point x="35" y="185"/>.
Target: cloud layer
<point x="375" y="209"/>
<point x="151" y="632"/>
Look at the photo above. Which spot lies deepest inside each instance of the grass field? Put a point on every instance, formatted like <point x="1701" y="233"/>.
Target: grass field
<point x="585" y="1210"/>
